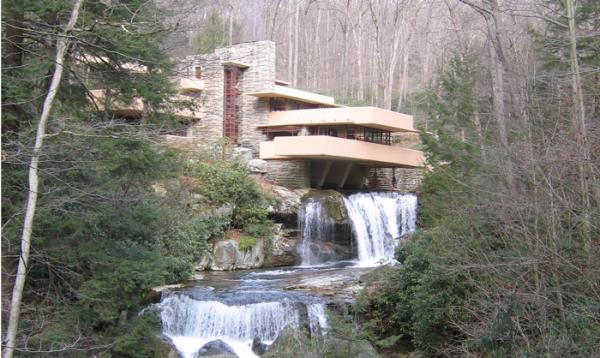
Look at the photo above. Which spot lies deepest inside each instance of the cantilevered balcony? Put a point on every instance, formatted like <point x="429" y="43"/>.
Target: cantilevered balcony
<point x="190" y="85"/>
<point x="371" y="117"/>
<point x="133" y="108"/>
<point x="321" y="147"/>
<point x="279" y="91"/>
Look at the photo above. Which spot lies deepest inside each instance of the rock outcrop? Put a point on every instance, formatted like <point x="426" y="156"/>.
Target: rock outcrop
<point x="225" y="255"/>
<point x="294" y="342"/>
<point x="216" y="349"/>
<point x="284" y="248"/>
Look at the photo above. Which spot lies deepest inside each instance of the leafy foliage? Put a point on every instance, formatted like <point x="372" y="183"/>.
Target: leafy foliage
<point x="247" y="243"/>
<point x="228" y="183"/>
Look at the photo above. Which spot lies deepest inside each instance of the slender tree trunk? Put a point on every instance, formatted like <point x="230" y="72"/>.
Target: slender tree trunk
<point x="231" y="26"/>
<point x="17" y="294"/>
<point x="579" y="124"/>
<point x="317" y="52"/>
<point x="358" y="39"/>
<point x="290" y="33"/>
<point x="296" y="43"/>
<point x="404" y="77"/>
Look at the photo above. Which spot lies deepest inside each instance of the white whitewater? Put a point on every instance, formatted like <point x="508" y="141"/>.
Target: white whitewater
<point x="314" y="227"/>
<point x="317" y="319"/>
<point x="378" y="221"/>
<point x="190" y="323"/>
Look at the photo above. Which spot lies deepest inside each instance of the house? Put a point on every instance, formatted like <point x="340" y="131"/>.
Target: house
<point x="306" y="139"/>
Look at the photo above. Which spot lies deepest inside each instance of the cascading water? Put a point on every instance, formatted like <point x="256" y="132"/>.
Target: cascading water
<point x="314" y="228"/>
<point x="191" y="323"/>
<point x="258" y="305"/>
<point x="378" y="221"/>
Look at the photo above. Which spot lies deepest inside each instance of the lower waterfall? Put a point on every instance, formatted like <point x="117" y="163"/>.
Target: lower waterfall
<point x="191" y="323"/>
<point x="378" y="221"/>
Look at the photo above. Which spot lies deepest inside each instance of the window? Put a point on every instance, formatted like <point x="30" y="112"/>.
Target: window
<point x="198" y="72"/>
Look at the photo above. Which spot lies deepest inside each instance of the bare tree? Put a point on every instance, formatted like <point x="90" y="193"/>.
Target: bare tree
<point x="15" y="304"/>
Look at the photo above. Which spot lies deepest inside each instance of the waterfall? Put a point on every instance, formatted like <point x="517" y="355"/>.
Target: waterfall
<point x="378" y="221"/>
<point x="191" y="323"/>
<point x="317" y="319"/>
<point x="314" y="227"/>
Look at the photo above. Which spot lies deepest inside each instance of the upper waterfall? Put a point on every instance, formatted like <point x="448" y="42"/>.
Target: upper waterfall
<point x="378" y="221"/>
<point x="363" y="226"/>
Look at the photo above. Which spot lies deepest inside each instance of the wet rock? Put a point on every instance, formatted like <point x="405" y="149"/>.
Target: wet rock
<point x="162" y="347"/>
<point x="258" y="347"/>
<point x="216" y="349"/>
<point x="225" y="255"/>
<point x="334" y="239"/>
<point x="252" y="258"/>
<point x="257" y="166"/>
<point x="292" y="342"/>
<point x="205" y="262"/>
<point x="333" y="203"/>
<point x="340" y="287"/>
<point x="283" y="250"/>
<point x="288" y="203"/>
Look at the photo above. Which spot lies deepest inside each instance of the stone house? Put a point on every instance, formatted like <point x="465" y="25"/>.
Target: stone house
<point x="305" y="139"/>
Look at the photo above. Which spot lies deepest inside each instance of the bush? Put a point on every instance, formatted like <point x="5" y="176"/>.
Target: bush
<point x="228" y="183"/>
<point x="414" y="301"/>
<point x="247" y="243"/>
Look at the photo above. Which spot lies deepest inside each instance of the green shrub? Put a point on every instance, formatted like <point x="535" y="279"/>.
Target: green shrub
<point x="415" y="300"/>
<point x="228" y="183"/>
<point x="247" y="243"/>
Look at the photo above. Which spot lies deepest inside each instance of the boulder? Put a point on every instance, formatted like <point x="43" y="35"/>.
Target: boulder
<point x="257" y="166"/>
<point x="162" y="347"/>
<point x="205" y="262"/>
<point x="216" y="349"/>
<point x="252" y="258"/>
<point x="258" y="347"/>
<point x="225" y="255"/>
<point x="338" y="347"/>
<point x="293" y="342"/>
<point x="288" y="200"/>
<point x="333" y="203"/>
<point x="283" y="250"/>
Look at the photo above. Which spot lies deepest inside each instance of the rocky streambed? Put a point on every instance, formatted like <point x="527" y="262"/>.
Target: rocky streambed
<point x="242" y="313"/>
<point x="315" y="266"/>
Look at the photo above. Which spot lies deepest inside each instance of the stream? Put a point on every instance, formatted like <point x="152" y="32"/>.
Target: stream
<point x="238" y="308"/>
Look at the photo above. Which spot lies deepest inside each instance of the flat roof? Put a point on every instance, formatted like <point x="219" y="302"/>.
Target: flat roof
<point x="295" y="94"/>
<point x="372" y="117"/>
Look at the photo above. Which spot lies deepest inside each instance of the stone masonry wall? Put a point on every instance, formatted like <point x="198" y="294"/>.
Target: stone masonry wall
<point x="407" y="180"/>
<point x="259" y="76"/>
<point x="290" y="173"/>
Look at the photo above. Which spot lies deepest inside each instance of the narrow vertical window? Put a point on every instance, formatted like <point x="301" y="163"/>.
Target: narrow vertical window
<point x="197" y="72"/>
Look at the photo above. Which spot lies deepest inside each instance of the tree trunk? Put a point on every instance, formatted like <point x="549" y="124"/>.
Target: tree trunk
<point x="579" y="124"/>
<point x="290" y="48"/>
<point x="489" y="12"/>
<point x="296" y="42"/>
<point x="17" y="294"/>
